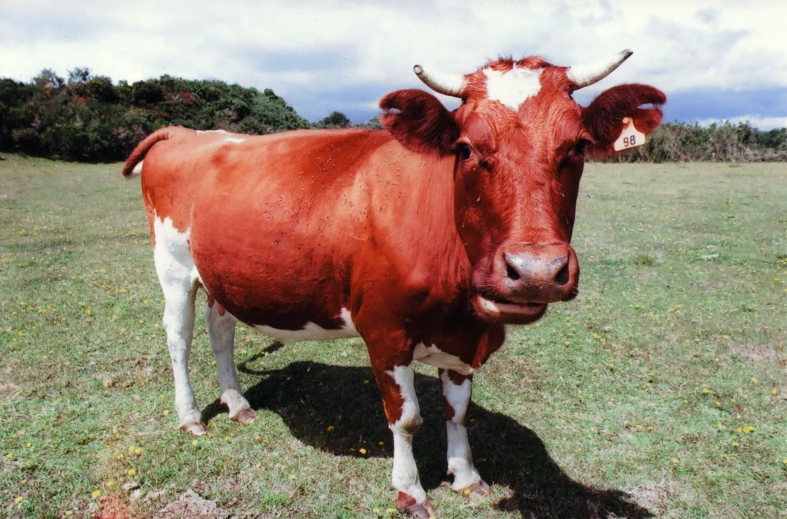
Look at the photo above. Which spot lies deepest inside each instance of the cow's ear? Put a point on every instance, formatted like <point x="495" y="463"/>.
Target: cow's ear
<point x="603" y="118"/>
<point x="419" y="121"/>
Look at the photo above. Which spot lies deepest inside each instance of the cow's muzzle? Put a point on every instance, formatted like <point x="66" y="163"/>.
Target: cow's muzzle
<point x="523" y="278"/>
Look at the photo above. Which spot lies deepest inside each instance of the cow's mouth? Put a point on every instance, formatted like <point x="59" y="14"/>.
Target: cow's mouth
<point x="502" y="309"/>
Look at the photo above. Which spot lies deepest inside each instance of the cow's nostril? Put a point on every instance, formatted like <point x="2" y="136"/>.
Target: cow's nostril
<point x="511" y="272"/>
<point x="562" y="276"/>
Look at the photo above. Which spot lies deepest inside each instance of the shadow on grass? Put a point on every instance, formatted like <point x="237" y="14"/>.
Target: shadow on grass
<point x="310" y="397"/>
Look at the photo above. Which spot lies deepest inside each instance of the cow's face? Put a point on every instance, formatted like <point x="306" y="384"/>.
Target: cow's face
<point x="520" y="141"/>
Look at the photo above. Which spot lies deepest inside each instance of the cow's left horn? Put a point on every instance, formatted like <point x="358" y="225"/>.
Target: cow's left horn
<point x="442" y="82"/>
<point x="589" y="73"/>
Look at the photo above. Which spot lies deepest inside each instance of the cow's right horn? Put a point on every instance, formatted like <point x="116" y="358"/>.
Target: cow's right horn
<point x="442" y="82"/>
<point x="588" y="73"/>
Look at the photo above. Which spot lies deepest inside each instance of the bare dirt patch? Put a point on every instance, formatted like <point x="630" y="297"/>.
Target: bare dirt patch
<point x="191" y="506"/>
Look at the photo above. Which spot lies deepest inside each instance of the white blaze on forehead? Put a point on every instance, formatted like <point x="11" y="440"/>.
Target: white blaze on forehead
<point x="514" y="87"/>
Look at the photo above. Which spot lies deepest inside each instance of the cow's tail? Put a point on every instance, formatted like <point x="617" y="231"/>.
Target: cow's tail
<point x="133" y="165"/>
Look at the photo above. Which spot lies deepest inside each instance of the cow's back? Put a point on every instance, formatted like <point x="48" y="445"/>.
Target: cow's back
<point x="276" y="223"/>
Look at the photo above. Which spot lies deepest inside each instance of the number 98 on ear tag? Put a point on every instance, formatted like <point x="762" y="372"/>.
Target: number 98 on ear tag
<point x="630" y="137"/>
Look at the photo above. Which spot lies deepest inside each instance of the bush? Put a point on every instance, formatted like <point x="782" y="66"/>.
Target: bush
<point x="88" y="118"/>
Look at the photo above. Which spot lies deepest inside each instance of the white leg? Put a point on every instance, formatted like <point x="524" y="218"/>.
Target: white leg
<point x="178" y="278"/>
<point x="221" y="329"/>
<point x="457" y="390"/>
<point x="405" y="473"/>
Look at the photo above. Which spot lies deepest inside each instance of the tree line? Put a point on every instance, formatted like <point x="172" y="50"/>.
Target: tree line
<point x="89" y="118"/>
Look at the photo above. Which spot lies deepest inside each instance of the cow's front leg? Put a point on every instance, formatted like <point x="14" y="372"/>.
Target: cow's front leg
<point x="404" y="419"/>
<point x="221" y="328"/>
<point x="457" y="389"/>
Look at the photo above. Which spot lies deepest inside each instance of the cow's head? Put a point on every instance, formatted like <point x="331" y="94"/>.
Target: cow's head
<point x="520" y="141"/>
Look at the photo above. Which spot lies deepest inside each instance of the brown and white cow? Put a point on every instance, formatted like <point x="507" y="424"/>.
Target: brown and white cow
<point x="425" y="240"/>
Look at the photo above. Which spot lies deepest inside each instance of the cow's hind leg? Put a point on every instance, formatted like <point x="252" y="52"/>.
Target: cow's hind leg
<point x="178" y="278"/>
<point x="221" y="329"/>
<point x="457" y="389"/>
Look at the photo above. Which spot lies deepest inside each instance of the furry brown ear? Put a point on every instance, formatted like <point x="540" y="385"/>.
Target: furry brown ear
<point x="603" y="118"/>
<point x="419" y="121"/>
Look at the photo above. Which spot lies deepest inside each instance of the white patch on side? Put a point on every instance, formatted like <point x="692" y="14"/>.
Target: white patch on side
<point x="405" y="473"/>
<point x="514" y="87"/>
<point x="172" y="247"/>
<point x="460" y="459"/>
<point x="137" y="169"/>
<point x="312" y="331"/>
<point x="433" y="356"/>
<point x="236" y="140"/>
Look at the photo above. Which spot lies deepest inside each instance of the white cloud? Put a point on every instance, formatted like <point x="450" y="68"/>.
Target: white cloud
<point x="310" y="50"/>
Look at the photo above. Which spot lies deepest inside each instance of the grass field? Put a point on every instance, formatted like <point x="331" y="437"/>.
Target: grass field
<point x="660" y="391"/>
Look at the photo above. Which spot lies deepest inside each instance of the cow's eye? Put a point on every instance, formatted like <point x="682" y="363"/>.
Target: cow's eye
<point x="464" y="151"/>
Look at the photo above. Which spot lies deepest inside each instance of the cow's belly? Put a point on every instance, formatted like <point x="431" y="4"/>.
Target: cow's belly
<point x="312" y="331"/>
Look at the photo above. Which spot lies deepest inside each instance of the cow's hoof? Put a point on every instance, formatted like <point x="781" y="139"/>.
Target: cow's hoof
<point x="477" y="491"/>
<point x="245" y="416"/>
<point x="407" y="505"/>
<point x="195" y="428"/>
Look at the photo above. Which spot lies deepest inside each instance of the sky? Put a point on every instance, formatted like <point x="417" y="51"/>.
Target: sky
<point x="715" y="60"/>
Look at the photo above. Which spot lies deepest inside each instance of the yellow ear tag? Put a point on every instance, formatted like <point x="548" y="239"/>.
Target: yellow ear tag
<point x="630" y="137"/>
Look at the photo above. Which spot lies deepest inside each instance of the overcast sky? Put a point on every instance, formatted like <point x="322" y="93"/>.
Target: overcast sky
<point x="715" y="60"/>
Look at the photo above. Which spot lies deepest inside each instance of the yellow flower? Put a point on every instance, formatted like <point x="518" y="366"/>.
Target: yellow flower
<point x="774" y="391"/>
<point x="109" y="483"/>
<point x="292" y="478"/>
<point x="675" y="460"/>
<point x="137" y="451"/>
<point x="747" y="430"/>
<point x="96" y="493"/>
<point x="10" y="455"/>
<point x="166" y="412"/>
<point x="362" y="451"/>
<point x="194" y="442"/>
<point x="257" y="438"/>
<point x="68" y="513"/>
<point x="130" y="448"/>
<point x="18" y="500"/>
<point x="330" y="428"/>
<point x="132" y="472"/>
<point x="755" y="380"/>
<point x="705" y="391"/>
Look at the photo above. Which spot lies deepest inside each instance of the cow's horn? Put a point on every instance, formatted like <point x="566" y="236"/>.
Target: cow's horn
<point x="589" y="73"/>
<point x="441" y="82"/>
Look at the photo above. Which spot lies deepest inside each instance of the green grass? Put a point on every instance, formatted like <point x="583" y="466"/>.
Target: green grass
<point x="630" y="401"/>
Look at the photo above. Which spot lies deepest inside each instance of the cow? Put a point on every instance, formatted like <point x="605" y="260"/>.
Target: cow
<point x="426" y="238"/>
